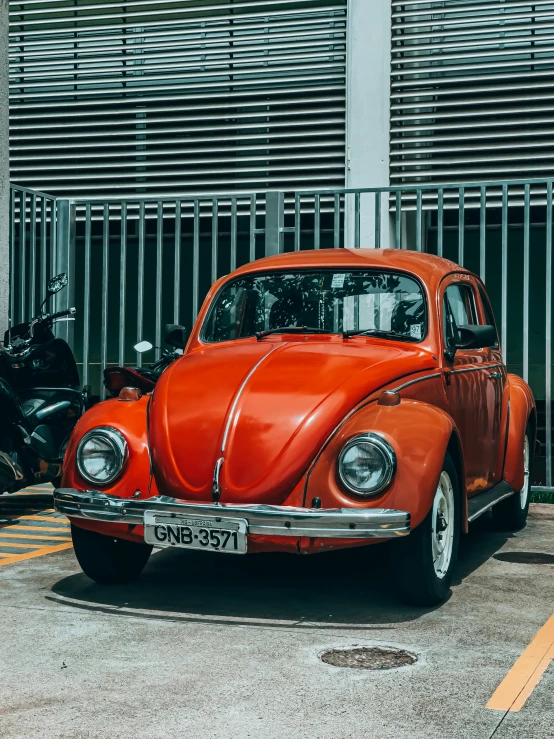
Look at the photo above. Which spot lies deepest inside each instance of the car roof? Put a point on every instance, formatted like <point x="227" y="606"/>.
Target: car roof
<point x="428" y="267"/>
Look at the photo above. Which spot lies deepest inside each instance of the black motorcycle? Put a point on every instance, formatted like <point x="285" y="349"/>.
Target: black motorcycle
<point x="145" y="378"/>
<point x="40" y="398"/>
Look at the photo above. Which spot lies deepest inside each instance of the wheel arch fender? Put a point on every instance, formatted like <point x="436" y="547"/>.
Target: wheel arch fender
<point x="522" y="412"/>
<point x="420" y="435"/>
<point x="130" y="419"/>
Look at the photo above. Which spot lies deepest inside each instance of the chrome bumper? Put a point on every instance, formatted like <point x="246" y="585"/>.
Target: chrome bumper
<point x="267" y="520"/>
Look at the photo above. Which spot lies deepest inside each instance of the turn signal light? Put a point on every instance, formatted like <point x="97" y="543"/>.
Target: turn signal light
<point x="389" y="397"/>
<point x="130" y="393"/>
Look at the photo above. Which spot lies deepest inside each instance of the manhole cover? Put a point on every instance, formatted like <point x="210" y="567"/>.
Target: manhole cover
<point x="368" y="658"/>
<point x="526" y="558"/>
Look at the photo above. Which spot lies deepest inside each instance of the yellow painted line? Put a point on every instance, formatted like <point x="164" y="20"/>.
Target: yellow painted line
<point x="31" y="536"/>
<point x="61" y="529"/>
<point x="525" y="675"/>
<point x="51" y="519"/>
<point x="17" y="545"/>
<point x="12" y="559"/>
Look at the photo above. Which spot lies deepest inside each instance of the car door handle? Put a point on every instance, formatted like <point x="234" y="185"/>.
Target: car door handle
<point x="495" y="376"/>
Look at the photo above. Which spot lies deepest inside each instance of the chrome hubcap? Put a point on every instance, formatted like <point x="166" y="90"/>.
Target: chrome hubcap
<point x="443" y="525"/>
<point x="524" y="492"/>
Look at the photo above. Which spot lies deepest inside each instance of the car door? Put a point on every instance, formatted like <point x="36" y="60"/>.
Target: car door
<point x="474" y="380"/>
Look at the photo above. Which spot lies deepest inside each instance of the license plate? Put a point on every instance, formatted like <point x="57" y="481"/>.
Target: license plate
<point x="210" y="533"/>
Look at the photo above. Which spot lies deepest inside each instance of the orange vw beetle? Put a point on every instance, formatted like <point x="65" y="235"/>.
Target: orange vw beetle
<point x="325" y="399"/>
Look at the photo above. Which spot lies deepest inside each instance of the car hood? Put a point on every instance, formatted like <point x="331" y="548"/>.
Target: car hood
<point x="265" y="408"/>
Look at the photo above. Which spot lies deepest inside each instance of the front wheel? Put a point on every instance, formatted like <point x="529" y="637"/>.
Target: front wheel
<point x="106" y="560"/>
<point x="424" y="561"/>
<point x="511" y="514"/>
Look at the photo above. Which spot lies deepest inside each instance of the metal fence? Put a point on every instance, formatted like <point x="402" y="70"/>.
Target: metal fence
<point x="32" y="249"/>
<point x="136" y="264"/>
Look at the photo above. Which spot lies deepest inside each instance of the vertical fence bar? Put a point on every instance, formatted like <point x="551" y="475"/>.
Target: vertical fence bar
<point x="317" y="221"/>
<point x="33" y="255"/>
<point x="398" y="220"/>
<point x="22" y="254"/>
<point x="483" y="233"/>
<point x="253" y="217"/>
<point x="461" y="224"/>
<point x="526" y="234"/>
<point x="43" y="254"/>
<point x="336" y="222"/>
<point x="504" y="277"/>
<point x="159" y="275"/>
<point x="440" y="222"/>
<point x="65" y="262"/>
<point x="297" y="220"/>
<point x="12" y="257"/>
<point x="274" y="222"/>
<point x="377" y="220"/>
<point x="53" y="235"/>
<point x="140" y="286"/>
<point x="123" y="284"/>
<point x="419" y="219"/>
<point x="86" y="296"/>
<point x="548" y="337"/>
<point x="357" y="220"/>
<point x="233" y="234"/>
<point x="105" y="282"/>
<point x="195" y="260"/>
<point x="177" y="264"/>
<point x="215" y="238"/>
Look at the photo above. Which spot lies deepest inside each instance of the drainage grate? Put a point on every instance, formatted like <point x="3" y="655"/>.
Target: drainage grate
<point x="368" y="658"/>
<point x="526" y="558"/>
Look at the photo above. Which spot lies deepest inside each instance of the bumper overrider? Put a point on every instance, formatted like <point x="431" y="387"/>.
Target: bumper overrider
<point x="265" y="520"/>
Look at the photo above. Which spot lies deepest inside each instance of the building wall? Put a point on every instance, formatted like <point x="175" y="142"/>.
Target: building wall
<point x="177" y="97"/>
<point x="4" y="172"/>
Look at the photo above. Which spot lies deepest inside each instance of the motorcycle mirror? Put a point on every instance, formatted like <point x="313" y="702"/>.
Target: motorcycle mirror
<point x="143" y="346"/>
<point x="175" y="335"/>
<point x="57" y="283"/>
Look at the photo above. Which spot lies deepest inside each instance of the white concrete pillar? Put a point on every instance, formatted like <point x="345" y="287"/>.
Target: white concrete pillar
<point x="4" y="171"/>
<point x="368" y="112"/>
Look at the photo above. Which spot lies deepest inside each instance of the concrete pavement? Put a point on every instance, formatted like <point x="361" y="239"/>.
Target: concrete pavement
<point x="211" y="646"/>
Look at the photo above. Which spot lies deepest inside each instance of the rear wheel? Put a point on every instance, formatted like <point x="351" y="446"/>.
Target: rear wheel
<point x="511" y="514"/>
<point x="106" y="560"/>
<point x="425" y="560"/>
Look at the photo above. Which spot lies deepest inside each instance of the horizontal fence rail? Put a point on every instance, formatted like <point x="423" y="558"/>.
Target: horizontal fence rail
<point x="136" y="264"/>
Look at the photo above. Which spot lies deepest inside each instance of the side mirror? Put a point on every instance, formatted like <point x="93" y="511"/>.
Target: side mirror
<point x="57" y="283"/>
<point x="143" y="346"/>
<point x="175" y="335"/>
<point x="475" y="337"/>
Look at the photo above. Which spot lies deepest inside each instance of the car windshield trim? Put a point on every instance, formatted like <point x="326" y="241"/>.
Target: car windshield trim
<point x="203" y="337"/>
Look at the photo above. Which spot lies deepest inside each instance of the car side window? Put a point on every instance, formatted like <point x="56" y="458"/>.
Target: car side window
<point x="459" y="310"/>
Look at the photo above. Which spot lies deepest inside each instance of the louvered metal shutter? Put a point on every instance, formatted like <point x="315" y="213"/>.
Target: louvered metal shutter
<point x="177" y="96"/>
<point x="472" y="88"/>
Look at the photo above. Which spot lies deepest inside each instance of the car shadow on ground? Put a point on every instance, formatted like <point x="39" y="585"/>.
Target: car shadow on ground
<point x="338" y="590"/>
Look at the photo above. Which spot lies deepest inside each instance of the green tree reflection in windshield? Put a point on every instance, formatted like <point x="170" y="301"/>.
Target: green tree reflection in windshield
<point x="333" y="301"/>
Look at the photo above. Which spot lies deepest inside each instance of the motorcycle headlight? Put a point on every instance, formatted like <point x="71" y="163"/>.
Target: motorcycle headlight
<point x="101" y="454"/>
<point x="367" y="464"/>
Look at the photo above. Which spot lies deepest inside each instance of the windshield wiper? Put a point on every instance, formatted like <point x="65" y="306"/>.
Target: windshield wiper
<point x="291" y="330"/>
<point x="375" y="332"/>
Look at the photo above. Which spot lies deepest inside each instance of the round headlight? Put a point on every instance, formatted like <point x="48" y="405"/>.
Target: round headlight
<point x="367" y="464"/>
<point x="101" y="455"/>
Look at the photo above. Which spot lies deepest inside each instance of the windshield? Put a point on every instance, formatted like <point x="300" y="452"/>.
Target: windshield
<point x="335" y="302"/>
